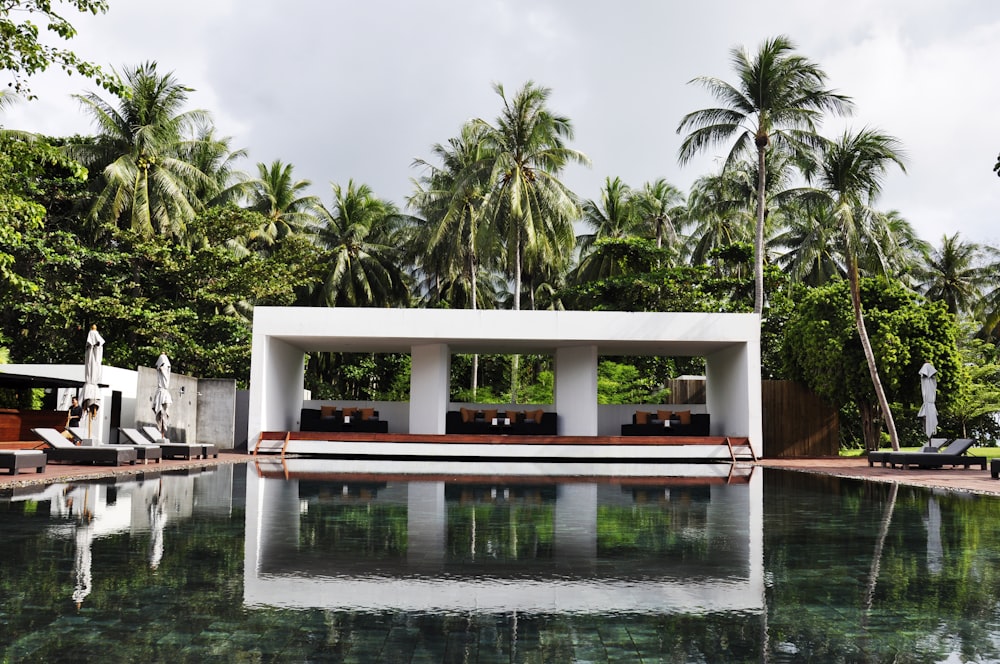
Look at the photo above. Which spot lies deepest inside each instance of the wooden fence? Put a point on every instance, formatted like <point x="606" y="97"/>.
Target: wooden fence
<point x="796" y="422"/>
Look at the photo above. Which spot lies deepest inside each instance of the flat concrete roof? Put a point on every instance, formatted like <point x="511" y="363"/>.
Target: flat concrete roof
<point x="685" y="334"/>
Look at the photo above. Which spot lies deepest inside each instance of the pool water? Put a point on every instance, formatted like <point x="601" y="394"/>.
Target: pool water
<point x="242" y="563"/>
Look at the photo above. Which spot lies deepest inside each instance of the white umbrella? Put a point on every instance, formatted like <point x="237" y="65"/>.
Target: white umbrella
<point x="91" y="397"/>
<point x="928" y="390"/>
<point x="161" y="399"/>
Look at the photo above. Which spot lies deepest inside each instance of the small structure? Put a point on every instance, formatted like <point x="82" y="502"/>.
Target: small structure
<point x="730" y="344"/>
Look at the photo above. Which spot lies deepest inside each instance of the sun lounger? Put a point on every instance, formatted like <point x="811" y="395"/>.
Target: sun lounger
<point x="883" y="457"/>
<point x="62" y="449"/>
<point x="953" y="454"/>
<point x="145" y="453"/>
<point x="15" y="460"/>
<point x="171" y="450"/>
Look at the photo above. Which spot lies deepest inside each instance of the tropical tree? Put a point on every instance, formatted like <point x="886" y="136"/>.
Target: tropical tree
<point x="141" y="150"/>
<point x="719" y="216"/>
<point x="359" y="234"/>
<point x="526" y="151"/>
<point x="451" y="197"/>
<point x="957" y="273"/>
<point x="661" y="207"/>
<point x="283" y="201"/>
<point x="849" y="177"/>
<point x="777" y="104"/>
<point x="23" y="53"/>
<point x="533" y="211"/>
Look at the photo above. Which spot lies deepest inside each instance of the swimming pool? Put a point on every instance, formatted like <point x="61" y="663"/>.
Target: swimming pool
<point x="431" y="562"/>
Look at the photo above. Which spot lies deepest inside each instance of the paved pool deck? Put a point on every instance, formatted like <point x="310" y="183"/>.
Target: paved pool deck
<point x="955" y="479"/>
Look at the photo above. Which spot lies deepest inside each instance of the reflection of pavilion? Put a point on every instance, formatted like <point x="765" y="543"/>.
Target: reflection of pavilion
<point x="575" y="573"/>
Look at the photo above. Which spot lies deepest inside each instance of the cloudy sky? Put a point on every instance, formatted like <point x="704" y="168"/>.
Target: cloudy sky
<point x="360" y="89"/>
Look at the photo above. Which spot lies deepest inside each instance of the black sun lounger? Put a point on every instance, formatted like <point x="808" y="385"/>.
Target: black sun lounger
<point x="62" y="449"/>
<point x="880" y="456"/>
<point x="954" y="454"/>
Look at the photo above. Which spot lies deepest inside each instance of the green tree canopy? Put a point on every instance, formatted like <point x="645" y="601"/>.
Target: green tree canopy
<point x="24" y="52"/>
<point x="822" y="348"/>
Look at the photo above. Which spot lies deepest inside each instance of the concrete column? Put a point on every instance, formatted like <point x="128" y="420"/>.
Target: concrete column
<point x="426" y="520"/>
<point x="277" y="380"/>
<point x="576" y="390"/>
<point x="430" y="368"/>
<point x="732" y="393"/>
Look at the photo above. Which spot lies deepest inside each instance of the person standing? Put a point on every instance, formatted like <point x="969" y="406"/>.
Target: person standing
<point x="75" y="413"/>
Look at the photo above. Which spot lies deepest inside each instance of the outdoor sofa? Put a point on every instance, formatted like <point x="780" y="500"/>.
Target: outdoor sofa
<point x="952" y="454"/>
<point x="663" y="422"/>
<point x="15" y="460"/>
<point x="63" y="449"/>
<point x="331" y="418"/>
<point x="534" y="422"/>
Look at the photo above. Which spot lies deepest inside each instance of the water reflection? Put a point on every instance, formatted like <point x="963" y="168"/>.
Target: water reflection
<point x="318" y="537"/>
<point x="327" y="562"/>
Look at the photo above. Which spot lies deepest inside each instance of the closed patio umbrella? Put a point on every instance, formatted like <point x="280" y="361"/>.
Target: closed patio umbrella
<point x="161" y="399"/>
<point x="928" y="390"/>
<point x="92" y="359"/>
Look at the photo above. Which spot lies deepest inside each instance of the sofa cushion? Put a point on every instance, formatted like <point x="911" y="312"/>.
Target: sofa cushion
<point x="327" y="411"/>
<point x="350" y="412"/>
<point x="664" y="415"/>
<point x="490" y="415"/>
<point x="642" y="417"/>
<point x="534" y="416"/>
<point x="367" y="413"/>
<point x="684" y="416"/>
<point x="468" y="415"/>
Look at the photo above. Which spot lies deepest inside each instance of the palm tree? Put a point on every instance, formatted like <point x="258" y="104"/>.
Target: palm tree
<point x="661" y="207"/>
<point x="777" y="102"/>
<point x="282" y="200"/>
<point x="140" y="150"/>
<point x="718" y="214"/>
<point x="849" y="178"/>
<point x="957" y="273"/>
<point x="614" y="216"/>
<point x="360" y="234"/>
<point x="526" y="202"/>
<point x="525" y="152"/>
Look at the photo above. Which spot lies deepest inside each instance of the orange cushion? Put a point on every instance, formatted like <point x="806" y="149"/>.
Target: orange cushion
<point x="489" y="415"/>
<point x="367" y="413"/>
<point x="327" y="411"/>
<point x="513" y="415"/>
<point x="642" y="417"/>
<point x="534" y="415"/>
<point x="684" y="416"/>
<point x="349" y="412"/>
<point x="468" y="415"/>
<point x="663" y="415"/>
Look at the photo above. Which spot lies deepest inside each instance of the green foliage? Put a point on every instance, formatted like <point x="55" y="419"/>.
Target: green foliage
<point x="24" y="53"/>
<point x="621" y="383"/>
<point x="822" y="348"/>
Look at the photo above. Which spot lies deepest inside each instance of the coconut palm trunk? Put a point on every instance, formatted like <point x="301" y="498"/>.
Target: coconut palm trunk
<point x="866" y="345"/>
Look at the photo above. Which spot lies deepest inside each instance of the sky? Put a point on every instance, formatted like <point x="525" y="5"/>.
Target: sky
<point x="359" y="90"/>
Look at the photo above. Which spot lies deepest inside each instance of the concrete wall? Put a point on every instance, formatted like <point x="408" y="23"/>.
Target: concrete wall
<point x="216" y="411"/>
<point x="183" y="411"/>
